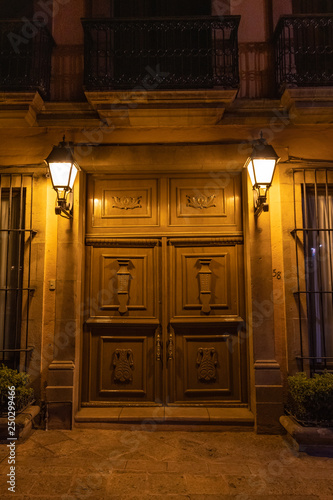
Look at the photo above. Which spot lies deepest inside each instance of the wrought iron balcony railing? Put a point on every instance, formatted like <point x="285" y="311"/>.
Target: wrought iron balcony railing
<point x="161" y="53"/>
<point x="304" y="50"/>
<point x="25" y="57"/>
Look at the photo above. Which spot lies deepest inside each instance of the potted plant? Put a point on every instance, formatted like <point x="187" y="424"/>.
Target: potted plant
<point x="23" y="394"/>
<point x="309" y="408"/>
<point x="24" y="397"/>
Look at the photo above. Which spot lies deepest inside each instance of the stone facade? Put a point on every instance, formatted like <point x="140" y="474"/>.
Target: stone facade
<point x="200" y="131"/>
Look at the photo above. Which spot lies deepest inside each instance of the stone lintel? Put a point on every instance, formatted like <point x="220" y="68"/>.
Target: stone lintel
<point x="309" y="104"/>
<point x="161" y="108"/>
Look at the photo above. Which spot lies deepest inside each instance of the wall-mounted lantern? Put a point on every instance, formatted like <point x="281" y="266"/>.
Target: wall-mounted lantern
<point x="261" y="166"/>
<point x="63" y="170"/>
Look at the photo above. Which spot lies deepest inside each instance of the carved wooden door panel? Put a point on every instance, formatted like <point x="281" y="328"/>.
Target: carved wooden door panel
<point x="206" y="321"/>
<point x="123" y="326"/>
<point x="164" y="289"/>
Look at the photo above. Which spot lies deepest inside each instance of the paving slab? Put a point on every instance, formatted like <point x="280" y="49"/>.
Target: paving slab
<point x="100" y="464"/>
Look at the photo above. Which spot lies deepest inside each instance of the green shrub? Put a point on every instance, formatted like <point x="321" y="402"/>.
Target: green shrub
<point x="310" y="400"/>
<point x="23" y="394"/>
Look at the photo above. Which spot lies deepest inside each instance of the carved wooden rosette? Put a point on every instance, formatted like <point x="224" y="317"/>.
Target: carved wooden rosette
<point x="206" y="362"/>
<point x="124" y="277"/>
<point x="205" y="282"/>
<point x="123" y="365"/>
<point x="200" y="201"/>
<point x="126" y="202"/>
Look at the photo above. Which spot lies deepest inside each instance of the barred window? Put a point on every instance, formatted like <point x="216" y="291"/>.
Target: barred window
<point x="15" y="258"/>
<point x="313" y="194"/>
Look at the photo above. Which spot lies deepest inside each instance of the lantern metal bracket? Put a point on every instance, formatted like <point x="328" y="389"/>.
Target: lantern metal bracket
<point x="64" y="206"/>
<point x="260" y="200"/>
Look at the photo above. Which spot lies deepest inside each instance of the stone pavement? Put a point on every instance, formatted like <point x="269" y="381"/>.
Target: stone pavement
<point x="173" y="465"/>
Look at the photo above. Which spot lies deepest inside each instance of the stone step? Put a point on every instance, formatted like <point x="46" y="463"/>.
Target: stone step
<point x="172" y="415"/>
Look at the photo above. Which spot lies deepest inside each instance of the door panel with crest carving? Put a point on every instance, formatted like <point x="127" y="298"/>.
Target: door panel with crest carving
<point x="164" y="291"/>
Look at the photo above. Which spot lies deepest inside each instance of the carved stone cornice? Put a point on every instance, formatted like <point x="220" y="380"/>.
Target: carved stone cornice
<point x="121" y="242"/>
<point x="213" y="242"/>
<point x="309" y="104"/>
<point x="161" y="109"/>
<point x="19" y="108"/>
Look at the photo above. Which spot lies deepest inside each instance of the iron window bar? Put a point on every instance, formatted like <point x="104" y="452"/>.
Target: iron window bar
<point x="16" y="235"/>
<point x="314" y="357"/>
<point x="33" y="231"/>
<point x="312" y="186"/>
<point x="294" y="231"/>
<point x="29" y="349"/>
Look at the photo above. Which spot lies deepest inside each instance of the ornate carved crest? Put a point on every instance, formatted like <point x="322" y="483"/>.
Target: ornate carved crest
<point x="123" y="365"/>
<point x="126" y="202"/>
<point x="200" y="201"/>
<point x="206" y="362"/>
<point x="158" y="344"/>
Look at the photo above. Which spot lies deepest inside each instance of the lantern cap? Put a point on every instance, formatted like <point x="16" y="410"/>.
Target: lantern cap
<point x="261" y="167"/>
<point x="63" y="153"/>
<point x="63" y="169"/>
<point x="263" y="151"/>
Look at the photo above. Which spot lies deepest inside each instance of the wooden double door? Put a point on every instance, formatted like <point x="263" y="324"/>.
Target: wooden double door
<point x="164" y="290"/>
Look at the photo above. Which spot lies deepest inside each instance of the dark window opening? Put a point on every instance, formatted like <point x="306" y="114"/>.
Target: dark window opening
<point x="161" y="8"/>
<point x="183" y="40"/>
<point x="149" y="8"/>
<point x="16" y="9"/>
<point x="312" y="6"/>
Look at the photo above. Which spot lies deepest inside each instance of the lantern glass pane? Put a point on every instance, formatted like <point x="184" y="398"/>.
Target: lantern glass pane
<point x="251" y="173"/>
<point x="60" y="174"/>
<point x="264" y="170"/>
<point x="73" y="176"/>
<point x="61" y="194"/>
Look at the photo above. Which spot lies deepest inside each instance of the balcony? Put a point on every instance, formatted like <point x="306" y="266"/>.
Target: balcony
<point x="161" y="53"/>
<point x="25" y="57"/>
<point x="304" y="51"/>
